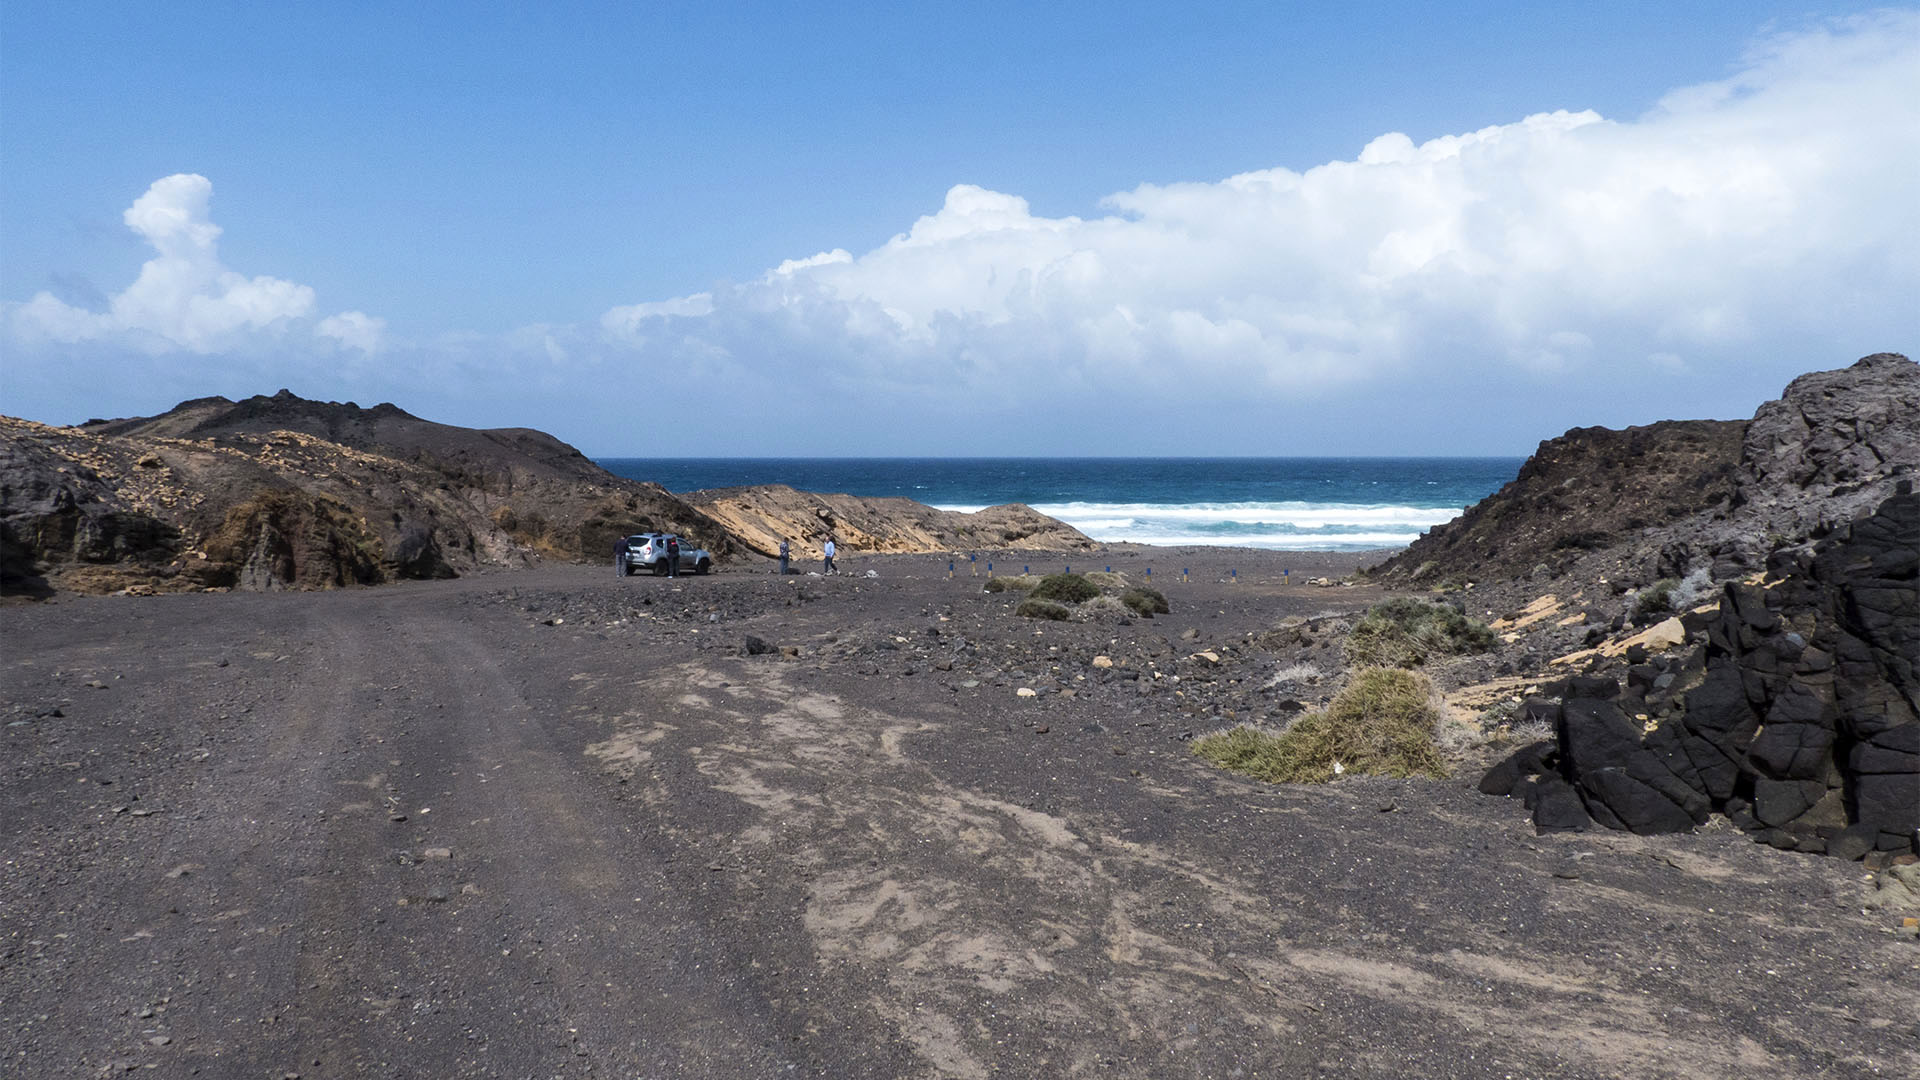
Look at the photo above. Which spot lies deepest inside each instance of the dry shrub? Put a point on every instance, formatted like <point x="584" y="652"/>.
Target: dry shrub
<point x="1065" y="589"/>
<point x="1293" y="673"/>
<point x="1146" y="601"/>
<point x="1406" y="633"/>
<point x="1655" y="600"/>
<point x="1012" y="583"/>
<point x="1383" y="723"/>
<point x="1034" y="608"/>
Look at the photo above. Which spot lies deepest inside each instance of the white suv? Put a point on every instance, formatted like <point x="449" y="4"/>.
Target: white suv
<point x="650" y="550"/>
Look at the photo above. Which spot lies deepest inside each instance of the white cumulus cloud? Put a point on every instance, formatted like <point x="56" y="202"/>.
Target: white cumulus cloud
<point x="1775" y="204"/>
<point x="185" y="298"/>
<point x="353" y="329"/>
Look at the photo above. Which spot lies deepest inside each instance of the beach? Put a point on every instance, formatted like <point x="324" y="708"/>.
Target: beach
<point x="553" y="822"/>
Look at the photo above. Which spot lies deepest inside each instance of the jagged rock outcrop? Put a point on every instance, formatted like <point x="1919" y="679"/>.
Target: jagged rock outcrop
<point x="1799" y="718"/>
<point x="761" y="516"/>
<point x="1826" y="450"/>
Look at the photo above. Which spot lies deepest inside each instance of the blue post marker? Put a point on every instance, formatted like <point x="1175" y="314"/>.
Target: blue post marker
<point x="973" y="566"/>
<point x="1235" y="575"/>
<point x="989" y="571"/>
<point x="1026" y="569"/>
<point x="1183" y="573"/>
<point x="1109" y="569"/>
<point x="1069" y="570"/>
<point x="1284" y="579"/>
<point x="1149" y="571"/>
<point x="949" y="569"/>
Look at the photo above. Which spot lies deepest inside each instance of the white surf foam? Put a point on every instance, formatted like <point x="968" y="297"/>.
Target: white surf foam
<point x="1299" y="526"/>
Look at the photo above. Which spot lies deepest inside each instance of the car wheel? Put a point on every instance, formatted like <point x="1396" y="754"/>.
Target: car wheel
<point x="703" y="566"/>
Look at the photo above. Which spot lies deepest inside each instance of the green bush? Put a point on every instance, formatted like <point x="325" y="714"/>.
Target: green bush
<point x="1065" y="588"/>
<point x="1405" y="632"/>
<point x="1656" y="599"/>
<point x="1036" y="608"/>
<point x="1383" y="723"/>
<point x="1146" y="601"/>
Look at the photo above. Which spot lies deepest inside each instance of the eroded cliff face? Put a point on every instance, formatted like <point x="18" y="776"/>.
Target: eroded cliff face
<point x="762" y="516"/>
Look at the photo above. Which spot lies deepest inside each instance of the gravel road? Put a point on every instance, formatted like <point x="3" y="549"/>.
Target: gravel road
<point x="554" y="824"/>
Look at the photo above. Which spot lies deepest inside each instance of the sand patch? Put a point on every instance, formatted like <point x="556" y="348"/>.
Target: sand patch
<point x="627" y="750"/>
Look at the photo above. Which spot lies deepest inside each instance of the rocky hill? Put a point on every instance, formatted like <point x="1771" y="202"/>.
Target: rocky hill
<point x="1679" y="497"/>
<point x="282" y="492"/>
<point x="1588" y="490"/>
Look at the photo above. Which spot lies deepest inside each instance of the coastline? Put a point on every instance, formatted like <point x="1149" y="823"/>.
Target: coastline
<point x="1282" y="504"/>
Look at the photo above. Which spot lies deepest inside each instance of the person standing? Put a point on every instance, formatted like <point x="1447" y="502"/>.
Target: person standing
<point x="829" y="550"/>
<point x="785" y="551"/>
<point x="673" y="556"/>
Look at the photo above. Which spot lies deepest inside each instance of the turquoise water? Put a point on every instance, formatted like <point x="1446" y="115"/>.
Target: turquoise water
<point x="1285" y="503"/>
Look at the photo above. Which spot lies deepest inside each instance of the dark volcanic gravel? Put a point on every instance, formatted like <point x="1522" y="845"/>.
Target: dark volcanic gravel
<point x="555" y="823"/>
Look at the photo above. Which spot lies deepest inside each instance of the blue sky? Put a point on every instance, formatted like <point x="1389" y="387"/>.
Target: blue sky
<point x="1103" y="229"/>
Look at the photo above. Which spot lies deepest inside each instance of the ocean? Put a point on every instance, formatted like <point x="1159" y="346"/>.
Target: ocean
<point x="1303" y="504"/>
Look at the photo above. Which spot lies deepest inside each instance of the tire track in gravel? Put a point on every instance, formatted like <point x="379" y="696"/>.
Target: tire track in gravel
<point x="271" y="917"/>
<point x="508" y="874"/>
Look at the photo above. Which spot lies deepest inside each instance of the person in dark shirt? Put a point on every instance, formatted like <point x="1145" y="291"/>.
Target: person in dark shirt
<point x="673" y="556"/>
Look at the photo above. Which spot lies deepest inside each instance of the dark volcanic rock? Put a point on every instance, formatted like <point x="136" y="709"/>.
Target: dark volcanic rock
<point x="1805" y="726"/>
